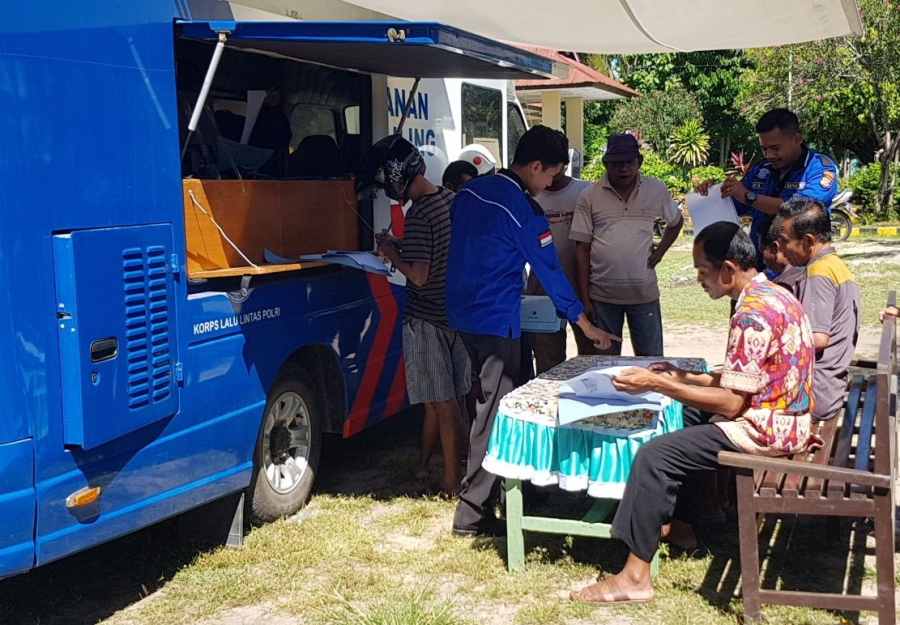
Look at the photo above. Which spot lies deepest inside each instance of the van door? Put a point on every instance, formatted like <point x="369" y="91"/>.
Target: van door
<point x="117" y="344"/>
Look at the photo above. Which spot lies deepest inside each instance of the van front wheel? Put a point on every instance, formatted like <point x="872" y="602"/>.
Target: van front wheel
<point x="287" y="451"/>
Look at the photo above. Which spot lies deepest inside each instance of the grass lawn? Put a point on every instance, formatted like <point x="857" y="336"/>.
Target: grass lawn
<point x="365" y="553"/>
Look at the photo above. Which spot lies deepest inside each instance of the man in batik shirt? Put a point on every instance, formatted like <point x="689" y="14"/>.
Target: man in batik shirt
<point x="762" y="400"/>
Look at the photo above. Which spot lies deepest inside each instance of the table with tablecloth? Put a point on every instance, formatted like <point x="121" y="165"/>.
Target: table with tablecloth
<point x="528" y="444"/>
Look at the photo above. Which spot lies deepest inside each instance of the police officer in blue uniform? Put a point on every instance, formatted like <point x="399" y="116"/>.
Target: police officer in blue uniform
<point x="496" y="227"/>
<point x="789" y="168"/>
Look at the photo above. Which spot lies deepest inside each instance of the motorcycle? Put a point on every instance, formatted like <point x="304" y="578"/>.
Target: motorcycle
<point x="842" y="216"/>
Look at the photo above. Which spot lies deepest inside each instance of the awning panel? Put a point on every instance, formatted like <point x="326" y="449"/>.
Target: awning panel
<point x="401" y="49"/>
<point x="633" y="26"/>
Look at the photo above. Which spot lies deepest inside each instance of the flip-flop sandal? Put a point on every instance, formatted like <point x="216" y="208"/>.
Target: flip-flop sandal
<point x="618" y="597"/>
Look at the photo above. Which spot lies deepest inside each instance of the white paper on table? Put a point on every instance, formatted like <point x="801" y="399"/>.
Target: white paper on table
<point x="597" y="384"/>
<point x="255" y="101"/>
<point x="592" y="394"/>
<point x="708" y="209"/>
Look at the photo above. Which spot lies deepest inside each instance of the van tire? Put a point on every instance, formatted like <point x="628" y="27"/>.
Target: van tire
<point x="288" y="447"/>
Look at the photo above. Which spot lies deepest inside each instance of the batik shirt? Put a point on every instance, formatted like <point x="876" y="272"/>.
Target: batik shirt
<point x="770" y="356"/>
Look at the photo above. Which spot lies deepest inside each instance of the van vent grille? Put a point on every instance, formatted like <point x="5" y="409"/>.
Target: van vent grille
<point x="147" y="326"/>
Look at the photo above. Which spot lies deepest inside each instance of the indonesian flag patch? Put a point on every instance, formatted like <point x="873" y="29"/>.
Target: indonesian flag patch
<point x="546" y="239"/>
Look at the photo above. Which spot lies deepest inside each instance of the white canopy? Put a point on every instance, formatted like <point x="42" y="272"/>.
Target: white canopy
<point x="625" y="26"/>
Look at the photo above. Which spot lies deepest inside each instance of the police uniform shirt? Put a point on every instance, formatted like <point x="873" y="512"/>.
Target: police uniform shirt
<point x="495" y="229"/>
<point x="814" y="176"/>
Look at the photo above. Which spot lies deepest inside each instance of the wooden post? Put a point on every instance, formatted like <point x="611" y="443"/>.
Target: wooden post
<point x="749" y="540"/>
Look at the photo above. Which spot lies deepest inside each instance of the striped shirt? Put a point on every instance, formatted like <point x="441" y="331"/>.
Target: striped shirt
<point x="426" y="238"/>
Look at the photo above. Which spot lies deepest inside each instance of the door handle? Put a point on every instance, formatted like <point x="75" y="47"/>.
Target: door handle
<point x="104" y="349"/>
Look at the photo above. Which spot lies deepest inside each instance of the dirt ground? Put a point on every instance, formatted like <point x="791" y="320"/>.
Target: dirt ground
<point x="709" y="342"/>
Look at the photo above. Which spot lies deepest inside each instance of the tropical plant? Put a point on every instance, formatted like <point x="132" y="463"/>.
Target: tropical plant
<point x="689" y="144"/>
<point x="740" y="164"/>
<point x="655" y="116"/>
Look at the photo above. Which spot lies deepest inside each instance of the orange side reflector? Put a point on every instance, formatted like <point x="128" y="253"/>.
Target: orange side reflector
<point x="83" y="497"/>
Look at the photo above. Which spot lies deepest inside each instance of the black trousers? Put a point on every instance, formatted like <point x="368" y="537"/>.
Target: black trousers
<point x="661" y="481"/>
<point x="497" y="363"/>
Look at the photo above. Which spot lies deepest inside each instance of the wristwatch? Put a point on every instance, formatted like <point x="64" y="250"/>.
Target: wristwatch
<point x="751" y="197"/>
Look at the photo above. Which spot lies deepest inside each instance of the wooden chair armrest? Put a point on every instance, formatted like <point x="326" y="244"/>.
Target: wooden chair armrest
<point x="824" y="472"/>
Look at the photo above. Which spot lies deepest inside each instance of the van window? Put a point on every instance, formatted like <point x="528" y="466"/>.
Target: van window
<point x="482" y="115"/>
<point x="309" y="120"/>
<point x="515" y="128"/>
<point x="351" y="120"/>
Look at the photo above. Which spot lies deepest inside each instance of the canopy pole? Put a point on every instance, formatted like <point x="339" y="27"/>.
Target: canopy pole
<point x="204" y="90"/>
<point x="409" y="103"/>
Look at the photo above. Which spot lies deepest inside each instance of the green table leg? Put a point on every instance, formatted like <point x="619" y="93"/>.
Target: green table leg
<point x="515" y="538"/>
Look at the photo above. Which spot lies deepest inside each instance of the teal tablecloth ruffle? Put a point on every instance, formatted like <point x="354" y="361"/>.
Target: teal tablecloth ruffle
<point x="526" y="443"/>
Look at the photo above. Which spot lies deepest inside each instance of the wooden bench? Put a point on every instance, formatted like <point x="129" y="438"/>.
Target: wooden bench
<point x="852" y="475"/>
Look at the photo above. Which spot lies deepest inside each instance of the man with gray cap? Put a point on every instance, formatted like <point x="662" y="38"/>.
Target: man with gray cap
<point x="614" y="251"/>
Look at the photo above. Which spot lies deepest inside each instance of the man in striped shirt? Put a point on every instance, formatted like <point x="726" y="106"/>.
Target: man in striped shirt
<point x="438" y="372"/>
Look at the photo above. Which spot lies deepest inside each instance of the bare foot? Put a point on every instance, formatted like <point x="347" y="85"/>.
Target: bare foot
<point x="679" y="534"/>
<point x="615" y="589"/>
<point x="420" y="473"/>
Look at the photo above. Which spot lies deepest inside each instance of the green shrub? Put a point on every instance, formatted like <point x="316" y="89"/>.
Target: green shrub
<point x="706" y="172"/>
<point x="654" y="167"/>
<point x="864" y="185"/>
<point x="594" y="170"/>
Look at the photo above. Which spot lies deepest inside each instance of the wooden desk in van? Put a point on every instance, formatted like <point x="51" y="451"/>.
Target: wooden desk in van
<point x="287" y="217"/>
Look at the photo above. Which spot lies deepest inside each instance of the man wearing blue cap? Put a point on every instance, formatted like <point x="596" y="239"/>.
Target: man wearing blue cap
<point x="614" y="252"/>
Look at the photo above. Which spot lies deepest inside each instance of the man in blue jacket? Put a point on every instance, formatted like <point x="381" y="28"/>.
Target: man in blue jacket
<point x="788" y="169"/>
<point x="496" y="227"/>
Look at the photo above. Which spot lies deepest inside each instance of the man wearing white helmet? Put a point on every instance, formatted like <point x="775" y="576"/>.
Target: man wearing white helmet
<point x="480" y="157"/>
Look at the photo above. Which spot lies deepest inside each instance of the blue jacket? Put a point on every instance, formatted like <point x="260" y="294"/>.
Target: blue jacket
<point x="495" y="229"/>
<point x="814" y="175"/>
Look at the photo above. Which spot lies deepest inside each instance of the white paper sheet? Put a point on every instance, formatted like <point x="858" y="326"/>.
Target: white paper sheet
<point x="709" y="209"/>
<point x="597" y="384"/>
<point x="592" y="394"/>
<point x="255" y="101"/>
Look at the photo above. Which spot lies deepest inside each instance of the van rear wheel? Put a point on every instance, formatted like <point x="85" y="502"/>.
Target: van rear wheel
<point x="287" y="451"/>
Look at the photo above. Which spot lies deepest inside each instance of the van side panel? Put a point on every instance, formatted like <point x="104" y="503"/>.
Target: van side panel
<point x="16" y="507"/>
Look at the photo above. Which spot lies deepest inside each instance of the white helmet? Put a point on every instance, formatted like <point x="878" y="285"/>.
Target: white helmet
<point x="436" y="162"/>
<point x="480" y="157"/>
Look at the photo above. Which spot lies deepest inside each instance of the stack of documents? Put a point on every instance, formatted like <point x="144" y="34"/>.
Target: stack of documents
<point x="592" y="394"/>
<point x="365" y="261"/>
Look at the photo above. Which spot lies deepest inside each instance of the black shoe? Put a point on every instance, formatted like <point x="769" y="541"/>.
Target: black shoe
<point x="494" y="529"/>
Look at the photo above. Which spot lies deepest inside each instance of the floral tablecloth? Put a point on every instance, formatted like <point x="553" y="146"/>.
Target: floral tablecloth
<point x="527" y="443"/>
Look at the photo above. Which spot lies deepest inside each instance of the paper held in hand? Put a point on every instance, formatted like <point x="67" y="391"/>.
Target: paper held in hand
<point x="592" y="394"/>
<point x="708" y="209"/>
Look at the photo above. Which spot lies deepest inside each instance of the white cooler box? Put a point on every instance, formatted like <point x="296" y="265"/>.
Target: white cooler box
<point x="538" y="314"/>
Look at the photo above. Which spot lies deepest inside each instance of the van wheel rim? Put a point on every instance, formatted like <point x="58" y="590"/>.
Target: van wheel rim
<point x="286" y="442"/>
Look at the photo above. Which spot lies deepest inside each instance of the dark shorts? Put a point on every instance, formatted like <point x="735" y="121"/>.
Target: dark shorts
<point x="437" y="364"/>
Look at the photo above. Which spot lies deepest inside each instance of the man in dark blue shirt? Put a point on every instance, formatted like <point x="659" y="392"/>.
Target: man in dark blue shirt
<point x="788" y="168"/>
<point x="496" y="227"/>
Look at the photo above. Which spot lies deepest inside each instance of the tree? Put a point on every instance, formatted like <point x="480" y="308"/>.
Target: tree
<point x="845" y="90"/>
<point x="715" y="78"/>
<point x="655" y="116"/>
